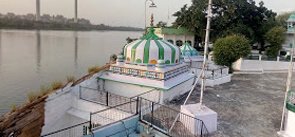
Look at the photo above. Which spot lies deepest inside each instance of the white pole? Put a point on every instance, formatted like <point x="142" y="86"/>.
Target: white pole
<point x="145" y="14"/>
<point x="76" y="11"/>
<point x="37" y="10"/>
<point x="206" y="50"/>
<point x="288" y="85"/>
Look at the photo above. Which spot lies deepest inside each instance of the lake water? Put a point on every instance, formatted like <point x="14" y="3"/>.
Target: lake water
<point x="29" y="59"/>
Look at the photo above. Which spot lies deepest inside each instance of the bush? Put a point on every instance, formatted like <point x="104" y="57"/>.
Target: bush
<point x="56" y="85"/>
<point x="229" y="49"/>
<point x="71" y="79"/>
<point x="113" y="58"/>
<point x="273" y="51"/>
<point x="44" y="90"/>
<point x="13" y="107"/>
<point x="32" y="96"/>
<point x="93" y="69"/>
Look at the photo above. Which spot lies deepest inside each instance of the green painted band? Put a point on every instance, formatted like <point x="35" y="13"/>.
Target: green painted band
<point x="133" y="50"/>
<point x="290" y="107"/>
<point x="146" y="53"/>
<point x="172" y="53"/>
<point x="161" y="50"/>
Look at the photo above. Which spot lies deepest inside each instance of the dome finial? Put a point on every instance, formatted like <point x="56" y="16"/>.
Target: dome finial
<point x="152" y="20"/>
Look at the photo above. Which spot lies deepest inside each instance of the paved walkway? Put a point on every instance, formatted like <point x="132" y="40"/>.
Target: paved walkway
<point x="249" y="106"/>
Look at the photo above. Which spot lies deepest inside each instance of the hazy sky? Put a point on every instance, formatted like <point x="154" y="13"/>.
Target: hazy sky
<point x="116" y="12"/>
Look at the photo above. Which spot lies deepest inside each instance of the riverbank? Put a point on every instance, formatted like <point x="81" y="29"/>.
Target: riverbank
<point x="31" y="59"/>
<point x="52" y="22"/>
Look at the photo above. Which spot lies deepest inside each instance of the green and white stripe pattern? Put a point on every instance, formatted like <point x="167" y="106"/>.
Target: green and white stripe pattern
<point x="149" y="49"/>
<point x="187" y="50"/>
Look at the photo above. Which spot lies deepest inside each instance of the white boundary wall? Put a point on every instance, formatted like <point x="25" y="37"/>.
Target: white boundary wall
<point x="260" y="66"/>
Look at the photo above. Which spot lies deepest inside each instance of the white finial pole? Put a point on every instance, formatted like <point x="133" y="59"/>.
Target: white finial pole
<point x="209" y="16"/>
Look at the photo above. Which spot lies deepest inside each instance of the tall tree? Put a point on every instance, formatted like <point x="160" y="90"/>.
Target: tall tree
<point x="229" y="17"/>
<point x="275" y="37"/>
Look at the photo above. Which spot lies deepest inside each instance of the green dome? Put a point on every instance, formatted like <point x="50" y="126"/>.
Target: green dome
<point x="149" y="49"/>
<point x="291" y="18"/>
<point x="187" y="50"/>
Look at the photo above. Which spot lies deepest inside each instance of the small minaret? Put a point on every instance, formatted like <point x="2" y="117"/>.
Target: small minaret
<point x="152" y="20"/>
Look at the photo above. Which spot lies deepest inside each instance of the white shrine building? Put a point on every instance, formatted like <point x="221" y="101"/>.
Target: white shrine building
<point x="149" y="63"/>
<point x="177" y="36"/>
<point x="215" y="74"/>
<point x="290" y="33"/>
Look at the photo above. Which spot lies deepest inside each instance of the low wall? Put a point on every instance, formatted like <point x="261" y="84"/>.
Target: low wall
<point x="260" y="66"/>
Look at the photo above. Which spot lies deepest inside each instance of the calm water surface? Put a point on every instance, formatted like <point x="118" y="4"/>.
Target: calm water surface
<point x="29" y="59"/>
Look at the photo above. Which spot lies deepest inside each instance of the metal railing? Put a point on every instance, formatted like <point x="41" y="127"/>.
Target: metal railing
<point x="158" y="116"/>
<point x="101" y="97"/>
<point x="215" y="73"/>
<point x="113" y="114"/>
<point x="153" y="95"/>
<point x="72" y="131"/>
<point x="161" y="118"/>
<point x="123" y="132"/>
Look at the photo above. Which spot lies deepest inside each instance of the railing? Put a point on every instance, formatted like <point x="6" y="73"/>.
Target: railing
<point x="101" y="97"/>
<point x="158" y="116"/>
<point x="152" y="95"/>
<point x="113" y="114"/>
<point x="161" y="118"/>
<point x="215" y="73"/>
<point x="78" y="130"/>
<point x="266" y="58"/>
<point x="123" y="132"/>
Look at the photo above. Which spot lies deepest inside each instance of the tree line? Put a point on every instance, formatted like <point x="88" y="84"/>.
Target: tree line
<point x="53" y="22"/>
<point x="236" y="26"/>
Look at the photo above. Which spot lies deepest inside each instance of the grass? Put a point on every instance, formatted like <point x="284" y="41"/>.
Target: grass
<point x="13" y="107"/>
<point x="93" y="69"/>
<point x="56" y="85"/>
<point x="71" y="79"/>
<point x="32" y="96"/>
<point x="44" y="90"/>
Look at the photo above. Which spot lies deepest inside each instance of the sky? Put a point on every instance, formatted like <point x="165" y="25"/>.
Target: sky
<point x="117" y="12"/>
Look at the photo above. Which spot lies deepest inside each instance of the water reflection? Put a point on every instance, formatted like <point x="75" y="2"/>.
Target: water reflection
<point x="39" y="52"/>
<point x="76" y="48"/>
<point x="0" y="49"/>
<point x="29" y="59"/>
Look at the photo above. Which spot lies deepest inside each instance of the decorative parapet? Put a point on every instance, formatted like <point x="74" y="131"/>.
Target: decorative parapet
<point x="290" y="104"/>
<point x="148" y="73"/>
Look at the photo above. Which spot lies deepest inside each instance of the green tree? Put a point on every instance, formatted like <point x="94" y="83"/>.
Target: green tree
<point x="161" y="24"/>
<point x="229" y="49"/>
<point x="229" y="17"/>
<point x="275" y="37"/>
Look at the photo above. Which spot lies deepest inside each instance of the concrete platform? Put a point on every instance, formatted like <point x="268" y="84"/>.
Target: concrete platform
<point x="207" y="115"/>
